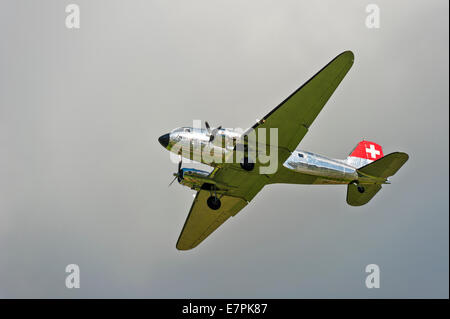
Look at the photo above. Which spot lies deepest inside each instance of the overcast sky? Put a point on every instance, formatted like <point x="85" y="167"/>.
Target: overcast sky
<point x="84" y="180"/>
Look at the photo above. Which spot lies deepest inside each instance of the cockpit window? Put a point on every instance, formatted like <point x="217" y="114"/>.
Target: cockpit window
<point x="182" y="129"/>
<point x="301" y="155"/>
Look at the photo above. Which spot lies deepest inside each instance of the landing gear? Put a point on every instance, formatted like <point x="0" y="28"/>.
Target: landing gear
<point x="360" y="188"/>
<point x="248" y="166"/>
<point x="213" y="202"/>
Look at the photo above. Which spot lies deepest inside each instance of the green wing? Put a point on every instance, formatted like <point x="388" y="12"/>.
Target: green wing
<point x="294" y="115"/>
<point x="202" y="221"/>
<point x="292" y="118"/>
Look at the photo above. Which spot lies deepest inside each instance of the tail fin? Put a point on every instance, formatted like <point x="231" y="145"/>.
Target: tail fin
<point x="364" y="153"/>
<point x="360" y="194"/>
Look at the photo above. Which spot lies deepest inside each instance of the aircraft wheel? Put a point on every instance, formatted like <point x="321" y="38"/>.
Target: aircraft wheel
<point x="361" y="189"/>
<point x="213" y="202"/>
<point x="245" y="164"/>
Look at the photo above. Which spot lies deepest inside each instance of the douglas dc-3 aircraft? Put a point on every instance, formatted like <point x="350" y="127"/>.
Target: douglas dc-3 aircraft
<point x="233" y="184"/>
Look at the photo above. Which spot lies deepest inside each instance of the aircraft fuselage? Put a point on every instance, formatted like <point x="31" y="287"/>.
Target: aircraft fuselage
<point x="198" y="142"/>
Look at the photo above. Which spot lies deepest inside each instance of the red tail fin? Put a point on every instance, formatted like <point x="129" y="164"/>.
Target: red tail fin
<point x="364" y="153"/>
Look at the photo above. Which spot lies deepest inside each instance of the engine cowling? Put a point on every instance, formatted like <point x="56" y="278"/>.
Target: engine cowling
<point x="193" y="178"/>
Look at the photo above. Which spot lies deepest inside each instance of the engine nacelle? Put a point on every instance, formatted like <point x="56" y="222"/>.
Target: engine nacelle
<point x="193" y="178"/>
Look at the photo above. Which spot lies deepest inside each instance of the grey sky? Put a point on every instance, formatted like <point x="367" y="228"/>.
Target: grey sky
<point x="83" y="178"/>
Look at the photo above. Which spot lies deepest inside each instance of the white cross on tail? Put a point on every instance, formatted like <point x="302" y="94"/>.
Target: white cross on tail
<point x="373" y="152"/>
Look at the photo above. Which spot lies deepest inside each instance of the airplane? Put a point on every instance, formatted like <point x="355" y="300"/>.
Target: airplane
<point x="231" y="185"/>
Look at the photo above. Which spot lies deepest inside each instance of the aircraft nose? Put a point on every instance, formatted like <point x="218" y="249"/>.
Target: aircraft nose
<point x="164" y="140"/>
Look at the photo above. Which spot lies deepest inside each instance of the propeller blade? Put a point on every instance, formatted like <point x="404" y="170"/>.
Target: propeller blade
<point x="208" y="128"/>
<point x="179" y="173"/>
<point x="172" y="181"/>
<point x="214" y="132"/>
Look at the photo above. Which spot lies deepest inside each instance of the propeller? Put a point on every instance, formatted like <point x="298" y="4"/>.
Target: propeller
<point x="179" y="174"/>
<point x="212" y="132"/>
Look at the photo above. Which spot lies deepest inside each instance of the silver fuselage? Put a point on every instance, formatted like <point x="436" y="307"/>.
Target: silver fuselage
<point x="198" y="142"/>
<point x="321" y="166"/>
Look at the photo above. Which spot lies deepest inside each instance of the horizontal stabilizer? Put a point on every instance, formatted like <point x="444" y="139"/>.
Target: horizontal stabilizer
<point x="360" y="194"/>
<point x="385" y="166"/>
<point x="360" y="197"/>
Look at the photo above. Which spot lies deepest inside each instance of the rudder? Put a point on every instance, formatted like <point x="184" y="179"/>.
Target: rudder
<point x="365" y="152"/>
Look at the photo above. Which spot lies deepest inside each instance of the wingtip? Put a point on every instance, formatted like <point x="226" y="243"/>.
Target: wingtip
<point x="405" y="156"/>
<point x="182" y="247"/>
<point x="349" y="54"/>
